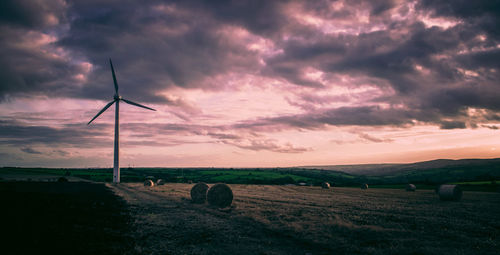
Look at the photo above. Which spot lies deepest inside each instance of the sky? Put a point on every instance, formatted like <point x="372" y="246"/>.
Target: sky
<point x="250" y="83"/>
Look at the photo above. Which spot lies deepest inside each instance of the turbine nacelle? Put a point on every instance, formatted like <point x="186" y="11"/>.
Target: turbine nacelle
<point x="117" y="98"/>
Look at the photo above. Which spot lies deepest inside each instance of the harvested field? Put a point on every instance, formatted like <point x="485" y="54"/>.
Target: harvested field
<point x="63" y="218"/>
<point x="301" y="220"/>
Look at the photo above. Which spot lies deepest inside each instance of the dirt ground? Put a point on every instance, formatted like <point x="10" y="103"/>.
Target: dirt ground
<point x="63" y="218"/>
<point x="310" y="220"/>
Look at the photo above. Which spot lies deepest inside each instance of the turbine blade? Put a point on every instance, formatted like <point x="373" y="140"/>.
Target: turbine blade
<point x="103" y="109"/>
<point x="136" y="104"/>
<point x="114" y="76"/>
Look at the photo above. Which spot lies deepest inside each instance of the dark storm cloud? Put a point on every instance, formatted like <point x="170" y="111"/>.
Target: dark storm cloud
<point x="29" y="63"/>
<point x="31" y="13"/>
<point x="154" y="46"/>
<point x="436" y="72"/>
<point x="19" y="134"/>
<point x="343" y="116"/>
<point x="366" y="116"/>
<point x="261" y="17"/>
<point x="484" y="15"/>
<point x="27" y="73"/>
<point x="433" y="72"/>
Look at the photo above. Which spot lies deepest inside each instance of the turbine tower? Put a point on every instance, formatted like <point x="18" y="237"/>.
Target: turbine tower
<point x="116" y="99"/>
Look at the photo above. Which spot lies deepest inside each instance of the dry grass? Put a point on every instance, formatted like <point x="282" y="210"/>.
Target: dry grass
<point x="298" y="220"/>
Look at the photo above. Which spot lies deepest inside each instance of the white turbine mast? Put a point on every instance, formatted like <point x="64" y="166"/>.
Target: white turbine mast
<point x="116" y="99"/>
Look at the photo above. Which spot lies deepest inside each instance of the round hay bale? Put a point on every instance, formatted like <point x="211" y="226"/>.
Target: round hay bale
<point x="448" y="192"/>
<point x="199" y="193"/>
<point x="364" y="186"/>
<point x="411" y="187"/>
<point x="220" y="195"/>
<point x="160" y="182"/>
<point x="436" y="188"/>
<point x="149" y="183"/>
<point x="325" y="185"/>
<point x="62" y="179"/>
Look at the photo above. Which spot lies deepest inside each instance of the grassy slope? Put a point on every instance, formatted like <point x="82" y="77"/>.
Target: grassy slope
<point x="395" y="169"/>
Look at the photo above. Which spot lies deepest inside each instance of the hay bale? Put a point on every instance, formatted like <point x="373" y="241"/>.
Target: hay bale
<point x="149" y="183"/>
<point x="411" y="187"/>
<point x="62" y="179"/>
<point x="436" y="188"/>
<point x="364" y="186"/>
<point x="448" y="192"/>
<point x="220" y="195"/>
<point x="199" y="193"/>
<point x="160" y="182"/>
<point x="325" y="185"/>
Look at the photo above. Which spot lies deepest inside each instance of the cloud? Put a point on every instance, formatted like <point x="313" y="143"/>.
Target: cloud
<point x="266" y="144"/>
<point x="482" y="14"/>
<point x="452" y="124"/>
<point x="242" y="138"/>
<point x="370" y="138"/>
<point x="342" y="116"/>
<point x="19" y="134"/>
<point x="61" y="153"/>
<point x="32" y="14"/>
<point x="30" y="150"/>
<point x="154" y="47"/>
<point x="490" y="127"/>
<point x="337" y="64"/>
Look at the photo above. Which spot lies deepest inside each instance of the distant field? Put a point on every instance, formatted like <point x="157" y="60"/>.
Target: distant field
<point x="471" y="179"/>
<point x="267" y="219"/>
<point x="466" y="186"/>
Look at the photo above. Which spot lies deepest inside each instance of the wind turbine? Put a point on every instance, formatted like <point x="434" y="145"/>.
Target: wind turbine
<point x="116" y="99"/>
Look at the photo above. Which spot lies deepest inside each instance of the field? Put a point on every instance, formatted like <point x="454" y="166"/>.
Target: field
<point x="310" y="220"/>
<point x="480" y="176"/>
<point x="40" y="215"/>
<point x="63" y="218"/>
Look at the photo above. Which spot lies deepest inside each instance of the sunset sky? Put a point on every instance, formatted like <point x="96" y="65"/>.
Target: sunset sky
<point x="249" y="83"/>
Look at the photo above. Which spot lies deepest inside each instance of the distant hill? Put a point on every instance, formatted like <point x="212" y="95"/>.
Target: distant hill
<point x="424" y="174"/>
<point x="399" y="169"/>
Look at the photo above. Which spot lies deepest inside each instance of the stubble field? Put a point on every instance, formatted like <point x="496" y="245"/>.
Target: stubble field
<point x="310" y="220"/>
